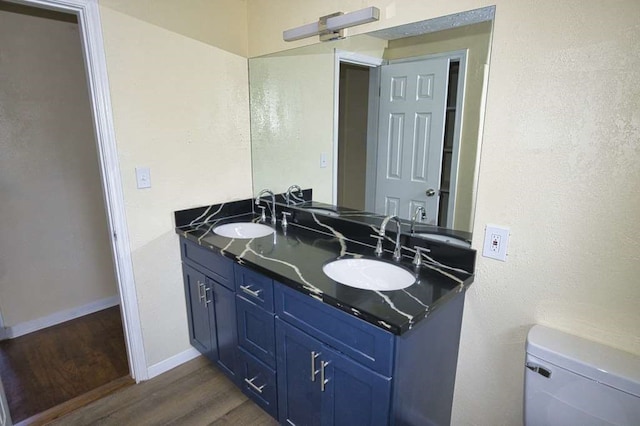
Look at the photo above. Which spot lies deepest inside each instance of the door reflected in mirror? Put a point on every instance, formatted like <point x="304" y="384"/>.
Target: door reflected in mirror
<point x="383" y="122"/>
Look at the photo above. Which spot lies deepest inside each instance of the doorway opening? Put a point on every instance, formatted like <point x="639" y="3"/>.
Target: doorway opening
<point x="352" y="135"/>
<point x="55" y="231"/>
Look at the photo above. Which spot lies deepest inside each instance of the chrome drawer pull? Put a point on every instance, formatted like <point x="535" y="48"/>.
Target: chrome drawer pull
<point x="323" y="381"/>
<point x="314" y="355"/>
<point x="207" y="301"/>
<point x="254" y="387"/>
<point x="254" y="293"/>
<point x="201" y="294"/>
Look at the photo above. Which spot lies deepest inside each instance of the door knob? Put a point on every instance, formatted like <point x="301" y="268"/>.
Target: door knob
<point x="431" y="192"/>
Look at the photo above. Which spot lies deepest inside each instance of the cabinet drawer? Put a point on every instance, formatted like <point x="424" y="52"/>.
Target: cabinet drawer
<point x="254" y="287"/>
<point x="217" y="266"/>
<point x="361" y="341"/>
<point x="256" y="332"/>
<point x="258" y="382"/>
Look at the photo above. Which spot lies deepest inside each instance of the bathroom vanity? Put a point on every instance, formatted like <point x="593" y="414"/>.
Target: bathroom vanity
<point x="308" y="349"/>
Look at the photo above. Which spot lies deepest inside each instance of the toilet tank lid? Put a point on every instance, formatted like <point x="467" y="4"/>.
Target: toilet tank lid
<point x="604" y="364"/>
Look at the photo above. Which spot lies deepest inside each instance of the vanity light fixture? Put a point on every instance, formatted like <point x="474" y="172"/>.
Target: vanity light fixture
<point x="330" y="27"/>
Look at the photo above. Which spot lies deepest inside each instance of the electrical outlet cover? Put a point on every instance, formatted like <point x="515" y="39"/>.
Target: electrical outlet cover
<point x="496" y="240"/>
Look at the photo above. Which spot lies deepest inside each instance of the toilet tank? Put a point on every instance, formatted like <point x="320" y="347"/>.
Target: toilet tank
<point x="573" y="381"/>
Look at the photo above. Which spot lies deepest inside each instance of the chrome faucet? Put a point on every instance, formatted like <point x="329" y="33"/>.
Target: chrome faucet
<point x="415" y="216"/>
<point x="397" y="252"/>
<point x="289" y="192"/>
<point x="272" y="208"/>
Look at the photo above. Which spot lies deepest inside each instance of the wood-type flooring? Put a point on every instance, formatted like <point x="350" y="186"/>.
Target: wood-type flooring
<point x="52" y="366"/>
<point x="195" y="393"/>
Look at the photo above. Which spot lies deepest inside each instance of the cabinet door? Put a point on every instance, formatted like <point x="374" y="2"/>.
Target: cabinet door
<point x="353" y="394"/>
<point x="318" y="385"/>
<point x="299" y="394"/>
<point x="197" y="311"/>
<point x="226" y="328"/>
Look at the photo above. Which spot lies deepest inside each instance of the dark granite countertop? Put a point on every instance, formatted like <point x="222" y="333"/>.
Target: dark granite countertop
<point x="375" y="219"/>
<point x="294" y="256"/>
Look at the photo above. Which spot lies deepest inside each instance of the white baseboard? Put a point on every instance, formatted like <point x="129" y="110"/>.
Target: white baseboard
<point x="172" y="362"/>
<point x="59" y="317"/>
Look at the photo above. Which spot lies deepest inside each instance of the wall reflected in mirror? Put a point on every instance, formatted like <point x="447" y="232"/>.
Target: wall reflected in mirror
<point x="382" y="122"/>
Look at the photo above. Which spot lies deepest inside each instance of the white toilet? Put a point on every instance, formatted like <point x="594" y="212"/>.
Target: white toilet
<point x="573" y="381"/>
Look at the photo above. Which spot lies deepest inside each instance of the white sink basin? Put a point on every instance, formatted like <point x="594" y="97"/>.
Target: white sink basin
<point x="369" y="274"/>
<point x="243" y="230"/>
<point x="444" y="238"/>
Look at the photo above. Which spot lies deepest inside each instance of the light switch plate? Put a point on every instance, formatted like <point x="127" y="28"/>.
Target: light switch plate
<point x="143" y="177"/>
<point x="496" y="240"/>
<point x="323" y="160"/>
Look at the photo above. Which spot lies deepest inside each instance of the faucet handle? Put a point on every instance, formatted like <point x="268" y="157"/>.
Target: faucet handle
<point x="417" y="259"/>
<point x="378" y="250"/>
<point x="284" y="219"/>
<point x="263" y="215"/>
<point x="397" y="253"/>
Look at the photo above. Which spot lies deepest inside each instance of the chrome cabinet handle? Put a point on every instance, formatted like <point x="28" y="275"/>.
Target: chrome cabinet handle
<point x="323" y="381"/>
<point x="201" y="291"/>
<point x="247" y="289"/>
<point x="314" y="355"/>
<point x="207" y="301"/>
<point x="253" y="386"/>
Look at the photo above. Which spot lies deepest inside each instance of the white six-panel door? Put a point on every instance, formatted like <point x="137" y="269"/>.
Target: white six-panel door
<point x="411" y="134"/>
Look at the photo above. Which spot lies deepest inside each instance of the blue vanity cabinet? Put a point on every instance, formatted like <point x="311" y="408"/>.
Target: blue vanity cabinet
<point x="256" y="333"/>
<point x="225" y="328"/>
<point x="211" y="305"/>
<point x="198" y="313"/>
<point x="317" y="385"/>
<point x="254" y="301"/>
<point x="258" y="382"/>
<point x="371" y="376"/>
<point x="333" y="368"/>
<point x="354" y="395"/>
<point x="256" y="338"/>
<point x="300" y="396"/>
<point x="306" y="362"/>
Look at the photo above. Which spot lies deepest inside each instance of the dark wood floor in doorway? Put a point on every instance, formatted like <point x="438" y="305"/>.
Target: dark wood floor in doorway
<point x="51" y="366"/>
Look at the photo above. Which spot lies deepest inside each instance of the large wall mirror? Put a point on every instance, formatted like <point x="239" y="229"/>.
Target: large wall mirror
<point x="383" y="122"/>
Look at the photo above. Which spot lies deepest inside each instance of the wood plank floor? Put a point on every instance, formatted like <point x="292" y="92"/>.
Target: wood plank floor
<point x="51" y="366"/>
<point x="195" y="393"/>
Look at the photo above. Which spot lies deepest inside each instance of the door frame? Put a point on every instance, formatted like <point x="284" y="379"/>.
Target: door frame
<point x="461" y="56"/>
<point x="343" y="56"/>
<point x="89" y="25"/>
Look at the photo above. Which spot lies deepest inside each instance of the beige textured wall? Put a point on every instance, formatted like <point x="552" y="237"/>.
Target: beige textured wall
<point x="286" y="142"/>
<point x="220" y="23"/>
<point x="181" y="108"/>
<point x="559" y="166"/>
<point x="54" y="243"/>
<point x="284" y="88"/>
